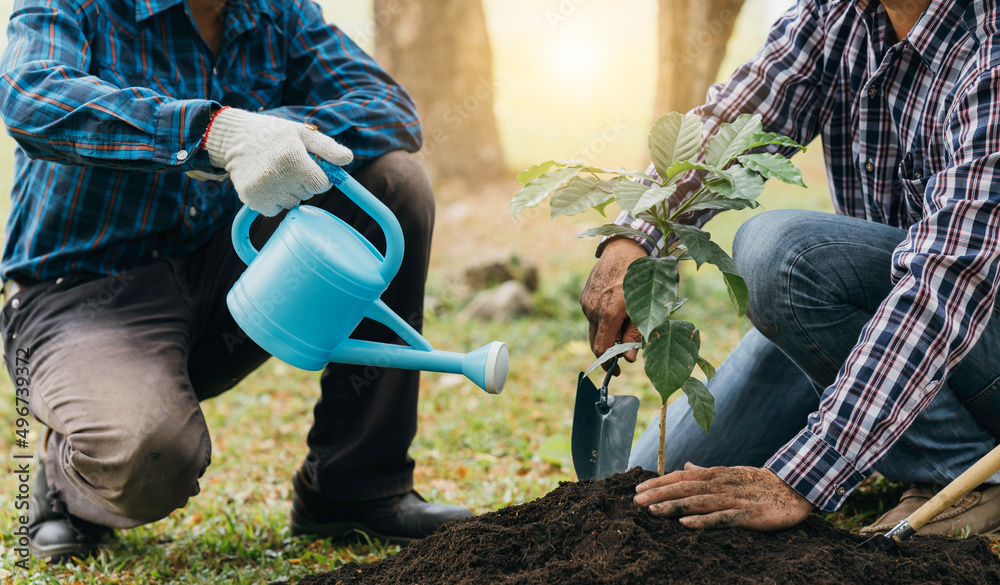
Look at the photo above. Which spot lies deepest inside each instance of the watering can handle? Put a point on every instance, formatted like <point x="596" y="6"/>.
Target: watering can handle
<point x="365" y="200"/>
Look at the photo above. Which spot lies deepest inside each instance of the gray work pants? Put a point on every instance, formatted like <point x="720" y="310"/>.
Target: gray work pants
<point x="120" y="363"/>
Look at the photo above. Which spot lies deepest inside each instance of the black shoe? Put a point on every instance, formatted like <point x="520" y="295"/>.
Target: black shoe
<point x="395" y="520"/>
<point x="54" y="534"/>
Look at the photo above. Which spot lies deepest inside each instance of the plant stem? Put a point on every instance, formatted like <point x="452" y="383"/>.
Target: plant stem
<point x="687" y="203"/>
<point x="661" y="461"/>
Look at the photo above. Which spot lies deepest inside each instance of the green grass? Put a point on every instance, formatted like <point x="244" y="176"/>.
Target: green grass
<point x="483" y="451"/>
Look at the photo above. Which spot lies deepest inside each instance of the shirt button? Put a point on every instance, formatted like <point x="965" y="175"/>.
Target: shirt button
<point x="15" y="303"/>
<point x="215" y="71"/>
<point x="182" y="155"/>
<point x="918" y="176"/>
<point x="192" y="212"/>
<point x="873" y="92"/>
<point x="841" y="491"/>
<point x="60" y="280"/>
<point x="155" y="254"/>
<point x="870" y="167"/>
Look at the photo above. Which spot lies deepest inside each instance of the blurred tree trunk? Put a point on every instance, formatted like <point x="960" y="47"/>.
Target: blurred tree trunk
<point x="440" y="52"/>
<point x="693" y="37"/>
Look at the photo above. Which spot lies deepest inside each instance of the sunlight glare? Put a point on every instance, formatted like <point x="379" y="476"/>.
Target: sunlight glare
<point x="576" y="58"/>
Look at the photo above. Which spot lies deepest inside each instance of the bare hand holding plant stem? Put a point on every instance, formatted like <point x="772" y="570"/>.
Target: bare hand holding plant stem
<point x="603" y="299"/>
<point x="631" y="296"/>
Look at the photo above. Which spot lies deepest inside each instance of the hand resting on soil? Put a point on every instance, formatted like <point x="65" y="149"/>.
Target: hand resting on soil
<point x="723" y="497"/>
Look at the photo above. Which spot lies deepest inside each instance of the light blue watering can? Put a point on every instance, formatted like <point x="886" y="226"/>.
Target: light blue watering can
<point x="309" y="287"/>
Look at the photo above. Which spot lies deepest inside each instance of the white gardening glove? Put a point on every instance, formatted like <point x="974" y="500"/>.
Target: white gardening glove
<point x="269" y="159"/>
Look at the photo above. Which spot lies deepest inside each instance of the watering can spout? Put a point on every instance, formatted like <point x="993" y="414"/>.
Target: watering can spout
<point x="487" y="366"/>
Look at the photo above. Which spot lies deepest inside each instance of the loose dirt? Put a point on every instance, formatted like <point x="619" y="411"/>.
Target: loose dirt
<point x="591" y="532"/>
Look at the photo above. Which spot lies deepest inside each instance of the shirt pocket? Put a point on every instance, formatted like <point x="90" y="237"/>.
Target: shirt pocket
<point x="255" y="76"/>
<point x="261" y="89"/>
<point x="913" y="185"/>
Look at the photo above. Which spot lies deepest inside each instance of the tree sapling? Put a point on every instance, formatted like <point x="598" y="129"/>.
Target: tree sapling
<point x="732" y="171"/>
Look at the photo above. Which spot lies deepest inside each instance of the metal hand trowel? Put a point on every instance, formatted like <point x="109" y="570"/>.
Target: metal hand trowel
<point x="603" y="427"/>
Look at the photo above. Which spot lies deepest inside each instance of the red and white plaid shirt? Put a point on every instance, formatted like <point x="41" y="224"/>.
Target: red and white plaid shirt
<point x="911" y="133"/>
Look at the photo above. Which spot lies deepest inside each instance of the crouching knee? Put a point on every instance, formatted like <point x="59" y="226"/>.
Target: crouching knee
<point x="765" y="249"/>
<point x="143" y="474"/>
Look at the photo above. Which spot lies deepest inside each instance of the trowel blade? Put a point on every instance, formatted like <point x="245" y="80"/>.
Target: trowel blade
<point x="601" y="441"/>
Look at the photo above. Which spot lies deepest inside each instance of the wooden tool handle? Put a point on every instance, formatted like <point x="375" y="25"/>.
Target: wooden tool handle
<point x="956" y="490"/>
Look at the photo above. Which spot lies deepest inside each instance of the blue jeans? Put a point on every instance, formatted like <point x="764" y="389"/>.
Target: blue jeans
<point x="815" y="280"/>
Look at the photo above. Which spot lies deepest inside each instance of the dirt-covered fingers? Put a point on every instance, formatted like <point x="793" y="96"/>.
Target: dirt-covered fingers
<point x="720" y="519"/>
<point x="694" y="505"/>
<point x="603" y="297"/>
<point x="690" y="473"/>
<point x="719" y="497"/>
<point x="606" y="315"/>
<point x="608" y="330"/>
<point x="631" y="334"/>
<point x="669" y="487"/>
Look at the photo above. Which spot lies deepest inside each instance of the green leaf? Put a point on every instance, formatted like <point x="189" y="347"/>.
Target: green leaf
<point x="746" y="185"/>
<point x="722" y="204"/>
<point x="707" y="368"/>
<point x="738" y="292"/>
<point x="701" y="401"/>
<point x="676" y="305"/>
<point x="772" y="139"/>
<point x="652" y="199"/>
<point x="621" y="348"/>
<point x="602" y="207"/>
<point x="675" y="137"/>
<point x="619" y="172"/>
<point x="698" y="242"/>
<point x="702" y="249"/>
<point x="628" y="193"/>
<point x="535" y="171"/>
<point x="650" y="290"/>
<point x="722" y="260"/>
<point x="607" y="186"/>
<point x="670" y="355"/>
<point x="537" y="190"/>
<point x="577" y="196"/>
<point x="732" y="140"/>
<point x="613" y="229"/>
<point x="773" y="166"/>
<point x="681" y="167"/>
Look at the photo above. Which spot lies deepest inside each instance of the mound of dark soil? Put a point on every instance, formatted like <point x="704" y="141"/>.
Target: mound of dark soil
<point x="592" y="532"/>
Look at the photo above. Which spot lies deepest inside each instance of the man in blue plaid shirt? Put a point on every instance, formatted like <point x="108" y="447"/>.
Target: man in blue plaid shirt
<point x="142" y="126"/>
<point x="873" y="346"/>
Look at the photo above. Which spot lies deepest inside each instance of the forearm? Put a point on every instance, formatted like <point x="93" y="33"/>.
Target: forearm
<point x="157" y="134"/>
<point x="57" y="111"/>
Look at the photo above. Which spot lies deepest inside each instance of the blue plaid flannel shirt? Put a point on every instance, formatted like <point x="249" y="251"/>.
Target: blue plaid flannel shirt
<point x="108" y="101"/>
<point x="911" y="133"/>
